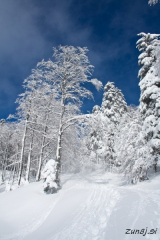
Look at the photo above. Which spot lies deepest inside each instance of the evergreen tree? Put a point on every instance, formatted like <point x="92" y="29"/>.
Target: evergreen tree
<point x="113" y="103"/>
<point x="113" y="108"/>
<point x="103" y="125"/>
<point x="150" y="90"/>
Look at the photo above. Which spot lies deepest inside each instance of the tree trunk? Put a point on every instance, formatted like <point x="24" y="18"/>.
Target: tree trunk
<point x="58" y="153"/>
<point x="29" y="158"/>
<point x="59" y="143"/>
<point x="13" y="176"/>
<point x="4" y="165"/>
<point x="29" y="163"/>
<point x="22" y="153"/>
<point x="38" y="176"/>
<point x="40" y="160"/>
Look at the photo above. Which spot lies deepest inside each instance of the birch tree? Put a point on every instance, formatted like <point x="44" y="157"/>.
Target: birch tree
<point x="6" y="146"/>
<point x="68" y="75"/>
<point x="25" y="110"/>
<point x="29" y="107"/>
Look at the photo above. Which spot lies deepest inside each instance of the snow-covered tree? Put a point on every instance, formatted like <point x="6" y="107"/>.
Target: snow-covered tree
<point x="27" y="112"/>
<point x="103" y="124"/>
<point x="95" y="139"/>
<point x="8" y="140"/>
<point x="113" y="103"/>
<point x="150" y="90"/>
<point x="36" y="107"/>
<point x="113" y="108"/>
<point x="148" y="43"/>
<point x="68" y="74"/>
<point x="133" y="151"/>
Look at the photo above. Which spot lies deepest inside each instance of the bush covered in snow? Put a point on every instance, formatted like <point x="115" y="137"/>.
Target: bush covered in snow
<point x="49" y="176"/>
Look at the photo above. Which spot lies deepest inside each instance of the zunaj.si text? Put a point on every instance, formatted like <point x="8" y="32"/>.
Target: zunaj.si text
<point x="142" y="231"/>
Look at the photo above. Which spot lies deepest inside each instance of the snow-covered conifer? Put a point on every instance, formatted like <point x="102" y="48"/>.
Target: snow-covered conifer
<point x="113" y="108"/>
<point x="113" y="103"/>
<point x="150" y="90"/>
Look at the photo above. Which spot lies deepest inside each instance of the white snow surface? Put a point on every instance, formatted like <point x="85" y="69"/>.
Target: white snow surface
<point x="97" y="206"/>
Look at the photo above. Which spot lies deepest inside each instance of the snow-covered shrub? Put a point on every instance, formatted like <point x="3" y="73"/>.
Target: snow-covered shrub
<point x="49" y="177"/>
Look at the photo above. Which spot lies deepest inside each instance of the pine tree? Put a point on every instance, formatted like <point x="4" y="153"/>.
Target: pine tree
<point x="113" y="103"/>
<point x="103" y="125"/>
<point x="150" y="90"/>
<point x="113" y="108"/>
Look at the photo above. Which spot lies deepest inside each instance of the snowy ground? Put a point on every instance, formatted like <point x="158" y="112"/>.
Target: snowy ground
<point x="97" y="207"/>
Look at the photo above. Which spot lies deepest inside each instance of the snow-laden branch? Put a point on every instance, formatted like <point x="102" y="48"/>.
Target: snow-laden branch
<point x="71" y="121"/>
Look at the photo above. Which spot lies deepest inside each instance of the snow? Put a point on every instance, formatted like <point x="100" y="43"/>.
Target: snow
<point x="49" y="169"/>
<point x="95" y="206"/>
<point x="98" y="84"/>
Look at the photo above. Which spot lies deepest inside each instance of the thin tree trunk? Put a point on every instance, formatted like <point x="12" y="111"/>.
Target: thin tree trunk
<point x="59" y="143"/>
<point x="3" y="171"/>
<point x="38" y="176"/>
<point x="40" y="160"/>
<point x="29" y="163"/>
<point x="13" y="176"/>
<point x="4" y="166"/>
<point x="29" y="158"/>
<point x="58" y="152"/>
<point x="22" y="153"/>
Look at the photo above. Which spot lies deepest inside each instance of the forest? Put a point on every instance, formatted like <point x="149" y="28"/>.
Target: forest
<point x="49" y="135"/>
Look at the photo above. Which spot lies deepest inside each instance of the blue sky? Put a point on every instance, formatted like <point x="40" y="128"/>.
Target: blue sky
<point x="30" y="28"/>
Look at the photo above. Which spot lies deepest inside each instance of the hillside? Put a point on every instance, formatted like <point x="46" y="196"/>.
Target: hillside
<point x="95" y="207"/>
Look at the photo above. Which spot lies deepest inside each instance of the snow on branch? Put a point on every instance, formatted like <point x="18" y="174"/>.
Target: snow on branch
<point x="98" y="84"/>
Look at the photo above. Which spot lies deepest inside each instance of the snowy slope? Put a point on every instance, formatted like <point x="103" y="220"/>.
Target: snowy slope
<point x="97" y="207"/>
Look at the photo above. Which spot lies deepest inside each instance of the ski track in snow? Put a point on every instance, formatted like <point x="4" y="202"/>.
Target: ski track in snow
<point x="137" y="210"/>
<point x="98" y="216"/>
<point x="91" y="220"/>
<point x="144" y="199"/>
